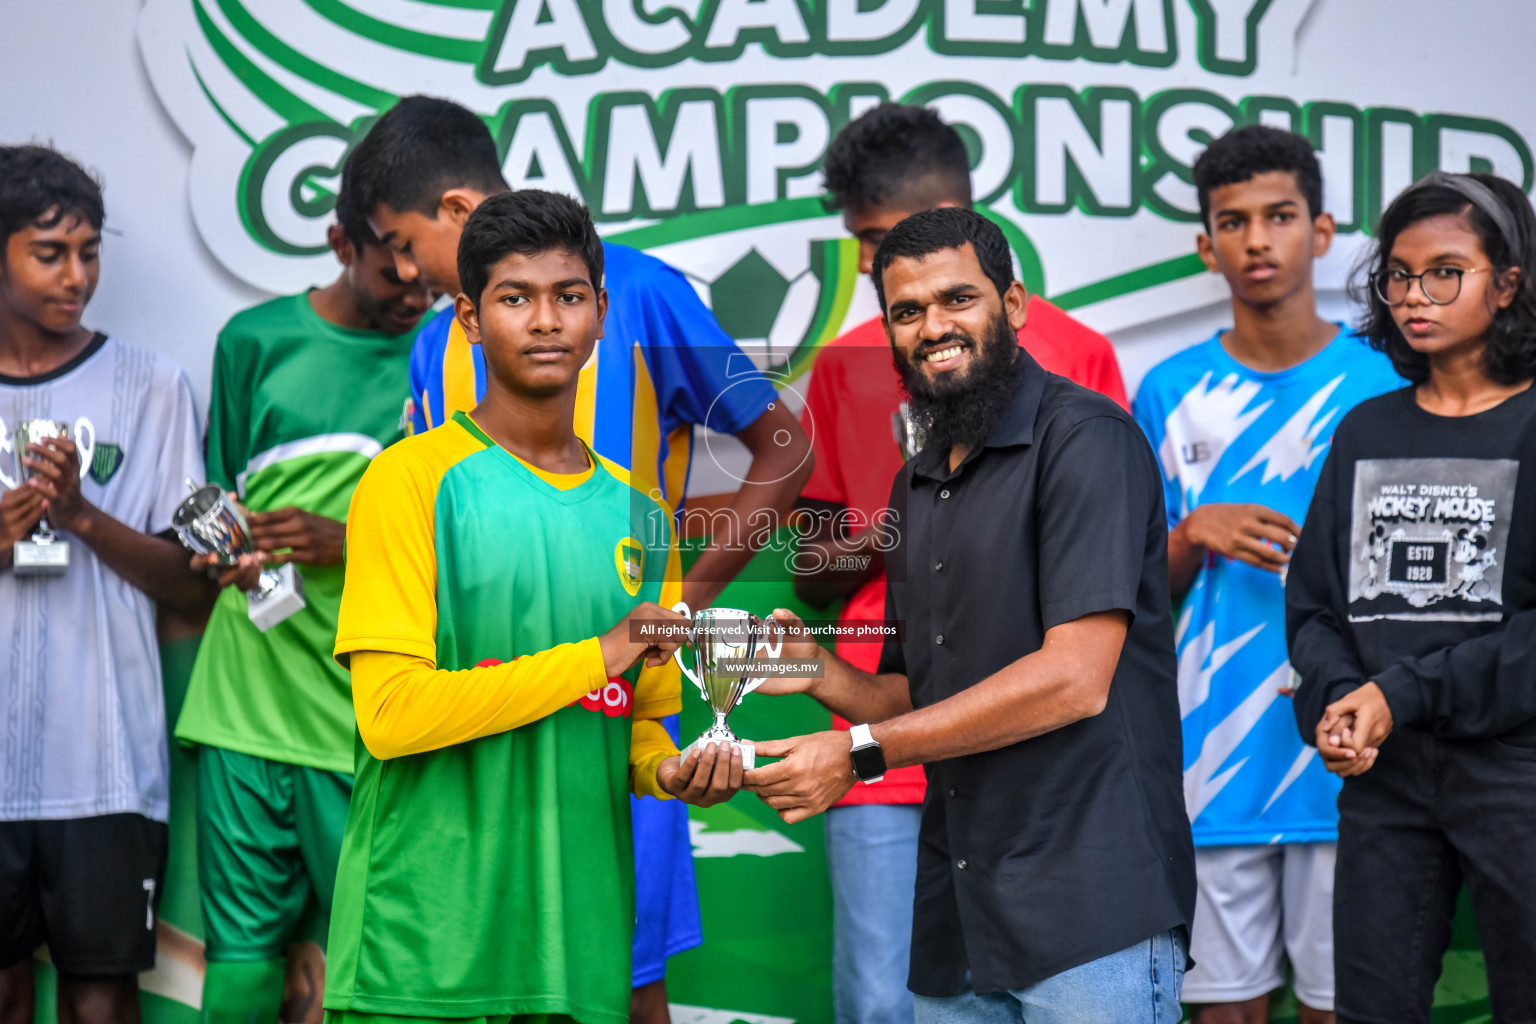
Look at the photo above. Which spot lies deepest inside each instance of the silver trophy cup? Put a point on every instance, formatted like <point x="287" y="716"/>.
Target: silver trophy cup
<point x="909" y="433"/>
<point x="45" y="554"/>
<point x="717" y="635"/>
<point x="209" y="523"/>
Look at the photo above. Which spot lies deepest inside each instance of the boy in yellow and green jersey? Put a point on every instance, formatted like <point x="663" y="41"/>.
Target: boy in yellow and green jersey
<point x="502" y="591"/>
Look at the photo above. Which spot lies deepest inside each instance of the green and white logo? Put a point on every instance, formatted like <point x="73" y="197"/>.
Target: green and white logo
<point x="106" y="462"/>
<point x="695" y="128"/>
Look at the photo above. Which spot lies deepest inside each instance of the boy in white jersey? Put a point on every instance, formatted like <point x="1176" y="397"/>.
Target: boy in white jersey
<point x="1240" y="424"/>
<point x="83" y="758"/>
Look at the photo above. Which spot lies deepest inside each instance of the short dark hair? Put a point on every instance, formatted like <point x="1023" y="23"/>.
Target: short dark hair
<point x="528" y="222"/>
<point x="890" y="151"/>
<point x="1256" y="149"/>
<point x="417" y="150"/>
<point x="946" y="228"/>
<point x="1510" y="356"/>
<point x="353" y="218"/>
<point x="42" y="186"/>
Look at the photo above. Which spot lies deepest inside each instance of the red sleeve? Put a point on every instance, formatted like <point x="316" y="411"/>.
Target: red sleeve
<point x="1070" y="348"/>
<point x="819" y="421"/>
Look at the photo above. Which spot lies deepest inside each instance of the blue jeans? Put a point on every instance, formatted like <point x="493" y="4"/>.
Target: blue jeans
<point x="872" y="861"/>
<point x="1138" y="985"/>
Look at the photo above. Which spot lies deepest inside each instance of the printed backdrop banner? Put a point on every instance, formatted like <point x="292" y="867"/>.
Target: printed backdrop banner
<point x="695" y="129"/>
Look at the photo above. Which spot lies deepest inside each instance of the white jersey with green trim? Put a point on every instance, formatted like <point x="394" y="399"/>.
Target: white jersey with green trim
<point x="82" y="714"/>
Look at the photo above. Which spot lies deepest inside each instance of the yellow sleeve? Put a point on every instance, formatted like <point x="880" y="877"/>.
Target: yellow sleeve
<point x="406" y="705"/>
<point x="658" y="691"/>
<point x="389" y="598"/>
<point x="649" y="745"/>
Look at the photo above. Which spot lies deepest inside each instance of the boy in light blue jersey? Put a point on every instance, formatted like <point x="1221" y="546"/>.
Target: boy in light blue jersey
<point x="1240" y="424"/>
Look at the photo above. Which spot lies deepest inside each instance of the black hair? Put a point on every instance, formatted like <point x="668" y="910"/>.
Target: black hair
<point x="42" y="186"/>
<point x="949" y="227"/>
<point x="891" y="150"/>
<point x="417" y="150"/>
<point x="353" y="218"/>
<point x="1510" y="356"/>
<point x="528" y="222"/>
<point x="1256" y="149"/>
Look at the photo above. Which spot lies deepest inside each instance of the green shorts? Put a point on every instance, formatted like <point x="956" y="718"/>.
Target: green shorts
<point x="268" y="835"/>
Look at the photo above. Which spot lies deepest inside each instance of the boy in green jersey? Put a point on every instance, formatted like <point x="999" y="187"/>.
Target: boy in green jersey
<point x="306" y="390"/>
<point x="503" y="588"/>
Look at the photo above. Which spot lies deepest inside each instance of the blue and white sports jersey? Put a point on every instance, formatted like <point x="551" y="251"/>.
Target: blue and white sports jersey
<point x="1226" y="433"/>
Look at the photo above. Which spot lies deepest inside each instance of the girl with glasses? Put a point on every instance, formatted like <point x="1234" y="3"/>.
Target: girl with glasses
<point x="1411" y="608"/>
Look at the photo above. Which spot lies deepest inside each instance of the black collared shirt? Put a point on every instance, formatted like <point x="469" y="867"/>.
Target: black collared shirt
<point x="1056" y="851"/>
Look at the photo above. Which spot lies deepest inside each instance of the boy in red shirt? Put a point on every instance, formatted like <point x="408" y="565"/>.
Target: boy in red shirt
<point x="889" y="163"/>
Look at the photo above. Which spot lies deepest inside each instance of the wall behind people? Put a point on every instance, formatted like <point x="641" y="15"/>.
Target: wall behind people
<point x="217" y="126"/>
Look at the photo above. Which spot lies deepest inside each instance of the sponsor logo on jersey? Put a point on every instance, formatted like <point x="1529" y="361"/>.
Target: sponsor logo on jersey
<point x="616" y="700"/>
<point x="629" y="560"/>
<point x="106" y="462"/>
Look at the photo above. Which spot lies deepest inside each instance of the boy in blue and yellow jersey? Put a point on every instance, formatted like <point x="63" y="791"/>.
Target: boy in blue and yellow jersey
<point x="662" y="366"/>
<point x="500" y="578"/>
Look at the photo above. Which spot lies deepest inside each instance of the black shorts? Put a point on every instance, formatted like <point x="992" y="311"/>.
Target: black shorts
<point x="88" y="887"/>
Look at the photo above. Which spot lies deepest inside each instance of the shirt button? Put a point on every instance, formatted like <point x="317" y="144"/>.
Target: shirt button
<point x="939" y="639"/>
<point x="944" y="493"/>
<point x="938" y="566"/>
<point x="961" y="865"/>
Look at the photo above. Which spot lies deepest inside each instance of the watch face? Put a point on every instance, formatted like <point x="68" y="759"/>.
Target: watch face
<point x="868" y="762"/>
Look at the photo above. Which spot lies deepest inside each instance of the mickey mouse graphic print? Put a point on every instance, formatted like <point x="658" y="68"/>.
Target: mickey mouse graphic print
<point x="1428" y="537"/>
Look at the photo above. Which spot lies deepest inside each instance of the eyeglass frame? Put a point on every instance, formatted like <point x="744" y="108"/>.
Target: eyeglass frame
<point x="1408" y="279"/>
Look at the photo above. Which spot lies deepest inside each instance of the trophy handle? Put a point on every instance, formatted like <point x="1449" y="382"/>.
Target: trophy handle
<point x="677" y="655"/>
<point x="85" y="443"/>
<point x="8" y="446"/>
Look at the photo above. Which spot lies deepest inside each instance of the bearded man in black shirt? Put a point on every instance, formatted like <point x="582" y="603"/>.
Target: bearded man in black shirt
<point x="1034" y="676"/>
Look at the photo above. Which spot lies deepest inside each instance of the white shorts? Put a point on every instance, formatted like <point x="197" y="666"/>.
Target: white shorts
<point x="1257" y="906"/>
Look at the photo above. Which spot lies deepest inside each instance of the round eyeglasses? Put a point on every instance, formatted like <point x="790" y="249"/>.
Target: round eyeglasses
<point x="1440" y="285"/>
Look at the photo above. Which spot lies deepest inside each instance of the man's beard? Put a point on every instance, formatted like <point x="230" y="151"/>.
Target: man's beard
<point x="961" y="410"/>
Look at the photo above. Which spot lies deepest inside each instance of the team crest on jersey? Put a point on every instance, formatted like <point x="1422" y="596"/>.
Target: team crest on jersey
<point x="629" y="560"/>
<point x="106" y="462"/>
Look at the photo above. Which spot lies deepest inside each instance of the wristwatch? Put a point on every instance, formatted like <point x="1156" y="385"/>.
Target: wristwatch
<point x="868" y="759"/>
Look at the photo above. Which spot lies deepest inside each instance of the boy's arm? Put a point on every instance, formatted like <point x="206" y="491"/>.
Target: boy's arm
<point x="406" y="705"/>
<point x="140" y="553"/>
<point x="155" y="565"/>
<point x="697" y="382"/>
<point x="1243" y="532"/>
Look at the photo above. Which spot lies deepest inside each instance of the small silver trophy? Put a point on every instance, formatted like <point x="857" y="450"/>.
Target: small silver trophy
<point x="910" y="435"/>
<point x="718" y="635"/>
<point x="209" y="523"/>
<point x="45" y="554"/>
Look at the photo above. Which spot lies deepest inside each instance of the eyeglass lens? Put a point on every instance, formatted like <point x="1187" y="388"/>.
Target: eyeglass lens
<point x="1441" y="285"/>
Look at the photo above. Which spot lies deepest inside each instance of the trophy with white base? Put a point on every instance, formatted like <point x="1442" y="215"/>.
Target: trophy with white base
<point x="46" y="554"/>
<point x="209" y="523"/>
<point x="719" y="637"/>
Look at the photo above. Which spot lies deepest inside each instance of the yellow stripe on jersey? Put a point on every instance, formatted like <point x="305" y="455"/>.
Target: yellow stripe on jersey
<point x="658" y="691"/>
<point x="389" y="600"/>
<point x="458" y="375"/>
<point x="586" y="399"/>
